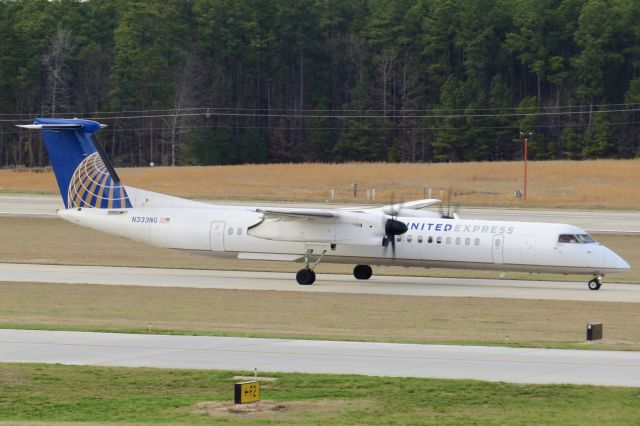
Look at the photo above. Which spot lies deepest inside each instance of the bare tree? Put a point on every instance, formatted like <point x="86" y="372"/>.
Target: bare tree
<point x="56" y="64"/>
<point x="190" y="78"/>
<point x="386" y="63"/>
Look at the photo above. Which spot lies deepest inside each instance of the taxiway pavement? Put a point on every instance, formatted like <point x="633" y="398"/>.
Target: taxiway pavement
<point x="326" y="283"/>
<point x="29" y="205"/>
<point x="514" y="365"/>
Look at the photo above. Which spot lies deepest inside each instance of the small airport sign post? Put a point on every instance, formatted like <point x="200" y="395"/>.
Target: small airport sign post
<point x="245" y="392"/>
<point x="594" y="332"/>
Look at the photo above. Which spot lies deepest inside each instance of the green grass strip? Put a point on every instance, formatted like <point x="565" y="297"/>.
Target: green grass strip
<point x="56" y="393"/>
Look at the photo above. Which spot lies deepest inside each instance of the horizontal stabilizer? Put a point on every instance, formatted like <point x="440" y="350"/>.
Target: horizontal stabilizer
<point x="61" y="126"/>
<point x="49" y="126"/>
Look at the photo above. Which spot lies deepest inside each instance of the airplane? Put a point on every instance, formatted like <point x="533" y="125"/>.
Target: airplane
<point x="400" y="234"/>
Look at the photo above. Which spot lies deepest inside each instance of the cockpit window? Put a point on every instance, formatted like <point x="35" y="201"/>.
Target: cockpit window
<point x="585" y="239"/>
<point x="576" y="239"/>
<point x="568" y="238"/>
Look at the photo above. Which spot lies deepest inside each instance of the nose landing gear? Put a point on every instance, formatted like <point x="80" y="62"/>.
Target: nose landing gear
<point x="595" y="283"/>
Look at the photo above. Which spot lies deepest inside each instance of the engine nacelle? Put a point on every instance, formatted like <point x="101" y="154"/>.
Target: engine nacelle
<point x="349" y="227"/>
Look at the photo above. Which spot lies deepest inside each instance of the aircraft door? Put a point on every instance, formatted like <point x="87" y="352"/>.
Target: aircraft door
<point x="498" y="249"/>
<point x="217" y="236"/>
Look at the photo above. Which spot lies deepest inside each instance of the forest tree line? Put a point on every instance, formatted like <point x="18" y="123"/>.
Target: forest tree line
<point x="253" y="81"/>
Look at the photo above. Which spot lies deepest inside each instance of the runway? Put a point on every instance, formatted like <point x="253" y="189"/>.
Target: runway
<point x="593" y="221"/>
<point x="29" y="205"/>
<point x="326" y="283"/>
<point x="512" y="365"/>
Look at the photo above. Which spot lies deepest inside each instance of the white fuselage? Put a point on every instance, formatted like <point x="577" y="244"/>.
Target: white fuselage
<point x="430" y="242"/>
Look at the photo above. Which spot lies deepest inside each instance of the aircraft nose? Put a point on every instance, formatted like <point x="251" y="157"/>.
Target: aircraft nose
<point x="613" y="261"/>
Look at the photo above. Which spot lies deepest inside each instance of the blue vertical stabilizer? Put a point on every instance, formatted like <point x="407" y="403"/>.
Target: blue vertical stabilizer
<point x="84" y="173"/>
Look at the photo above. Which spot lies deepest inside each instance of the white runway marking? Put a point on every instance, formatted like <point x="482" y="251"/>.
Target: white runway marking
<point x="326" y="283"/>
<point x="512" y="365"/>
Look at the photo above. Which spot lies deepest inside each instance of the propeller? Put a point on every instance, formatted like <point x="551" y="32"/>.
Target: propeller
<point x="393" y="227"/>
<point x="450" y="212"/>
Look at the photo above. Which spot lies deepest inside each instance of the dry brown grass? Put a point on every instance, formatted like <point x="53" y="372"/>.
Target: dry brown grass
<point x="315" y="315"/>
<point x="586" y="184"/>
<point x="323" y="410"/>
<point x="54" y="241"/>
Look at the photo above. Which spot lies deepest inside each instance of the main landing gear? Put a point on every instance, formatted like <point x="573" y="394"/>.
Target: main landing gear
<point x="595" y="283"/>
<point x="306" y="276"/>
<point x="362" y="272"/>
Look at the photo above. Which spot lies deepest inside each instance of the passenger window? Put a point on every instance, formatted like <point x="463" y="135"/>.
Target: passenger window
<point x="439" y="240"/>
<point x="239" y="231"/>
<point x="457" y="241"/>
<point x="230" y="231"/>
<point x="419" y="238"/>
<point x="430" y="240"/>
<point x="467" y="241"/>
<point x="399" y="239"/>
<point x="448" y="240"/>
<point x="477" y="241"/>
<point x="409" y="238"/>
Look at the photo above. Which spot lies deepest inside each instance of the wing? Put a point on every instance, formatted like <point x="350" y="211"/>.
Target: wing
<point x="358" y="226"/>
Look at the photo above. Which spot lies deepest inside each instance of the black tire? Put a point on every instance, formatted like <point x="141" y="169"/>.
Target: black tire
<point x="362" y="272"/>
<point x="594" y="284"/>
<point x="305" y="276"/>
<point x="311" y="277"/>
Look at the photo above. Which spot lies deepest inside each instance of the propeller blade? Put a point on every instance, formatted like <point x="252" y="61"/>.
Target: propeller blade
<point x="393" y="227"/>
<point x="450" y="213"/>
<point x="393" y="246"/>
<point x="385" y="220"/>
<point x="456" y="209"/>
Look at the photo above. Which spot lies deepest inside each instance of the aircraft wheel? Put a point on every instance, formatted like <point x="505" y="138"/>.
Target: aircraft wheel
<point x="305" y="276"/>
<point x="362" y="272"/>
<point x="595" y="284"/>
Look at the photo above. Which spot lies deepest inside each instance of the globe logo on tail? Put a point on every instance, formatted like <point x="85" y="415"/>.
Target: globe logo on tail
<point x="92" y="186"/>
